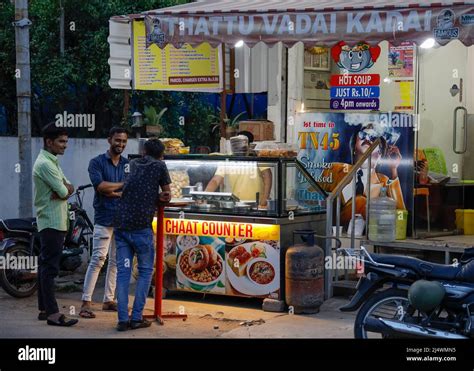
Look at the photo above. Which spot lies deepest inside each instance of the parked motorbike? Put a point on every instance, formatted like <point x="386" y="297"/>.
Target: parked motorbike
<point x="400" y="296"/>
<point x="19" y="238"/>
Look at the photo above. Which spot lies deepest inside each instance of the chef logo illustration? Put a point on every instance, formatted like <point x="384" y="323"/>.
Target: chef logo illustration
<point x="356" y="59"/>
<point x="156" y="36"/>
<point x="446" y="19"/>
<point x="445" y="23"/>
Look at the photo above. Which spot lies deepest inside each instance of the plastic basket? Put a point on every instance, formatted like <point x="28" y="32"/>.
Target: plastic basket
<point x="465" y="220"/>
<point x="401" y="224"/>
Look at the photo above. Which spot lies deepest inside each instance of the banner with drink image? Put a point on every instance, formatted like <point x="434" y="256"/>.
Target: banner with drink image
<point x="330" y="143"/>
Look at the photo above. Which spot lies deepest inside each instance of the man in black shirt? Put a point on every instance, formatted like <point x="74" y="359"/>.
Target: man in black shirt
<point x="133" y="231"/>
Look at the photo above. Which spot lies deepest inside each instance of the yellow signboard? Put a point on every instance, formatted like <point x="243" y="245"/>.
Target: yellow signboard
<point x="188" y="68"/>
<point x="219" y="257"/>
<point x="406" y="96"/>
<point x="221" y="229"/>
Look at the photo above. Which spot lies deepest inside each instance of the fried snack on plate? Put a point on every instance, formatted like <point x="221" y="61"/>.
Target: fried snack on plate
<point x="198" y="258"/>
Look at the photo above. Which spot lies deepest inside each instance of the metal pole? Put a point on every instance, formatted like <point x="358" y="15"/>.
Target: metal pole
<point x="224" y="94"/>
<point x="23" y="92"/>
<point x="367" y="206"/>
<point x="328" y="249"/>
<point x="338" y="224"/>
<point x="354" y="196"/>
<point x="61" y="28"/>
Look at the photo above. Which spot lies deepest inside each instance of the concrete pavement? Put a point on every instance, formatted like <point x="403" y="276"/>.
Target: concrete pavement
<point x="208" y="317"/>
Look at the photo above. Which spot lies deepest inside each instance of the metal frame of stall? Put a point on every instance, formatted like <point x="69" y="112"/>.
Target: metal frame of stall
<point x="218" y="23"/>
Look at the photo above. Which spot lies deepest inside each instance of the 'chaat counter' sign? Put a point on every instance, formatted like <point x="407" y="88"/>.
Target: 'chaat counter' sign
<point x="241" y="259"/>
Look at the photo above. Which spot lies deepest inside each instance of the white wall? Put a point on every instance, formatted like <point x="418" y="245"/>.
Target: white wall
<point x="440" y="68"/>
<point x="295" y="87"/>
<point x="74" y="164"/>
<point x="275" y="103"/>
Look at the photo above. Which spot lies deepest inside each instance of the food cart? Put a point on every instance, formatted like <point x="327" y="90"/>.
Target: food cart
<point x="355" y="29"/>
<point x="216" y="242"/>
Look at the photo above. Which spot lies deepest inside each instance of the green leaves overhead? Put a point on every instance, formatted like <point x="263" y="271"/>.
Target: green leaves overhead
<point x="78" y="80"/>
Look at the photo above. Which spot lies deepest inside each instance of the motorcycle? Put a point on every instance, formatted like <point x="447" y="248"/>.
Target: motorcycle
<point x="391" y="304"/>
<point x="19" y="239"/>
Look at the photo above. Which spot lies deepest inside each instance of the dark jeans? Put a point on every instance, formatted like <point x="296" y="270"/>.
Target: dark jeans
<point x="52" y="242"/>
<point x="129" y="244"/>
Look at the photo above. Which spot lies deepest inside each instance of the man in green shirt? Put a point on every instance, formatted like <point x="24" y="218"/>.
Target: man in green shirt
<point x="52" y="190"/>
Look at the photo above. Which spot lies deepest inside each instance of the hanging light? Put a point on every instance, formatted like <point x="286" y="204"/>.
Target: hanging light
<point x="428" y="43"/>
<point x="137" y="120"/>
<point x="239" y="44"/>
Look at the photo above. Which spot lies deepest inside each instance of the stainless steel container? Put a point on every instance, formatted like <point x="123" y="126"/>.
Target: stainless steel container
<point x="226" y="204"/>
<point x="186" y="191"/>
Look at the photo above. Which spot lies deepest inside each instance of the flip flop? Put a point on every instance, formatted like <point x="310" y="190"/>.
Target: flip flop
<point x="62" y="321"/>
<point x="86" y="313"/>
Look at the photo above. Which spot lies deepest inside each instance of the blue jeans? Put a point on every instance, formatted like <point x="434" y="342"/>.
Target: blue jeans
<point x="104" y="245"/>
<point x="129" y="243"/>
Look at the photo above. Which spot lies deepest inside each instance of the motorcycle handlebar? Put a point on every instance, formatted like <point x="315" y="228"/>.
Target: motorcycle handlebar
<point x="82" y="187"/>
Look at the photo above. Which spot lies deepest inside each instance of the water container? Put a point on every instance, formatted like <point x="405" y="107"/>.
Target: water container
<point x="359" y="226"/>
<point x="382" y="218"/>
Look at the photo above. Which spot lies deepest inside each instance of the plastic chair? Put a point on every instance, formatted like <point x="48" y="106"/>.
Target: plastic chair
<point x="424" y="191"/>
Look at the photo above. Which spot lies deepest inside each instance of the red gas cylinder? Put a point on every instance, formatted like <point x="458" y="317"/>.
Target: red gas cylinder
<point x="304" y="275"/>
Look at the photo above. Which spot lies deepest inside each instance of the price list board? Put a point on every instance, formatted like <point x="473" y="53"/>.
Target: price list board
<point x="184" y="69"/>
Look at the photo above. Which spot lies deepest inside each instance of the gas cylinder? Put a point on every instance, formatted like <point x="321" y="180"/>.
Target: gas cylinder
<point x="304" y="275"/>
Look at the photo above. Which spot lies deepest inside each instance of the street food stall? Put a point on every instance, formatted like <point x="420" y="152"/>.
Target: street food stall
<point x="233" y="240"/>
<point x="360" y="71"/>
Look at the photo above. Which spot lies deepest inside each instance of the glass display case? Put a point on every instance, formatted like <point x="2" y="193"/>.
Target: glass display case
<point x="232" y="220"/>
<point x="246" y="186"/>
<point x="237" y="216"/>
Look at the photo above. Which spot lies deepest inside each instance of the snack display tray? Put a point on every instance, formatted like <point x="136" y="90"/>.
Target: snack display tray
<point x="214" y="196"/>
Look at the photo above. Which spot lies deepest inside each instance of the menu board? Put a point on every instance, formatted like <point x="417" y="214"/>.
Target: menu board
<point x="405" y="97"/>
<point x="239" y="259"/>
<point x="401" y="60"/>
<point x="187" y="68"/>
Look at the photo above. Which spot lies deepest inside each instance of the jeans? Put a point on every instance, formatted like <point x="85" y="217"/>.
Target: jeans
<point x="52" y="242"/>
<point x="130" y="243"/>
<point x="104" y="244"/>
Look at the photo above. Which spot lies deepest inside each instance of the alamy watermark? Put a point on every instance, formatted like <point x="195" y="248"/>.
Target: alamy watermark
<point x="37" y="354"/>
<point x="29" y="263"/>
<point x="239" y="168"/>
<point x="75" y="120"/>
<point x="400" y="120"/>
<point x="343" y="262"/>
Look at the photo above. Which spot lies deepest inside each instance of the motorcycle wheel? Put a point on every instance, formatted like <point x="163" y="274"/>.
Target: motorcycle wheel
<point x="9" y="279"/>
<point x="384" y="304"/>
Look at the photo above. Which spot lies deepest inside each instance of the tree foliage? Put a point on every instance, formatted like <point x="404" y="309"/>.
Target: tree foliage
<point x="78" y="80"/>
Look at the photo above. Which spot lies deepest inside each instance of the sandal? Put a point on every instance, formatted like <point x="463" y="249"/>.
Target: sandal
<point x="86" y="313"/>
<point x="110" y="306"/>
<point x="63" y="321"/>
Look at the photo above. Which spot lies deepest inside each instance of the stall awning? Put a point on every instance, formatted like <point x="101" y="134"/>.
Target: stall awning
<point x="313" y="23"/>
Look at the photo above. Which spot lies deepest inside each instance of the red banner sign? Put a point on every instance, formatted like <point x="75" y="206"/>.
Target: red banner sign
<point x="355" y="80"/>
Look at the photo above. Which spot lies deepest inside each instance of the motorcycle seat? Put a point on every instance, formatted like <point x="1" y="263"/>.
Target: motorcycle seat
<point x="423" y="268"/>
<point x="19" y="225"/>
